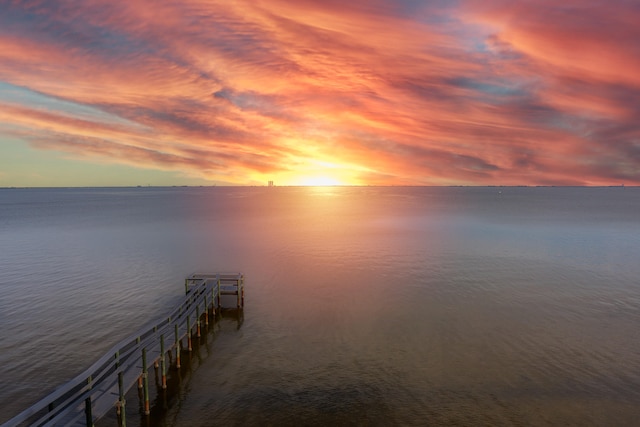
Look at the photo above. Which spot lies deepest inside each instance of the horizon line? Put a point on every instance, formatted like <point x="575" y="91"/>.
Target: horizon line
<point x="322" y="186"/>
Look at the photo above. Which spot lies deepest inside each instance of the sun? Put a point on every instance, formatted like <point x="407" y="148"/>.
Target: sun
<point x="315" y="173"/>
<point x="319" y="181"/>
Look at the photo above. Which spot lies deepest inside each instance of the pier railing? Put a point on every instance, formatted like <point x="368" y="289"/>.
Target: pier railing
<point x="103" y="386"/>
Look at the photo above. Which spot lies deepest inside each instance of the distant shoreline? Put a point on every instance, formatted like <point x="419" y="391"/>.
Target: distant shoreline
<point x="318" y="186"/>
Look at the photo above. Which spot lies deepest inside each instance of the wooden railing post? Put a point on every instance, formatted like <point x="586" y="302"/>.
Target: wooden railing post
<point x="145" y="379"/>
<point x="213" y="301"/>
<point x="206" y="311"/>
<point x="218" y="284"/>
<point x="87" y="407"/>
<point x="189" y="333"/>
<point x="162" y="361"/>
<point x="242" y="299"/>
<point x="120" y="409"/>
<point x="198" y="320"/>
<point x="177" y="347"/>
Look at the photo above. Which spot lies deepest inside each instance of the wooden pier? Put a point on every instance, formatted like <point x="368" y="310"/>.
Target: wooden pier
<point x="103" y="386"/>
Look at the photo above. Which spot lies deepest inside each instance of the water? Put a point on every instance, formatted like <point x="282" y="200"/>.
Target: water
<point x="364" y="306"/>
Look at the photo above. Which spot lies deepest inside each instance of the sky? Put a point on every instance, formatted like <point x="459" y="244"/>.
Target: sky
<point x="311" y="92"/>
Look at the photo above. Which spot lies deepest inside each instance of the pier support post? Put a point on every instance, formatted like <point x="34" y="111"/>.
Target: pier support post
<point x="177" y="347"/>
<point x="242" y="298"/>
<point x="189" y="333"/>
<point x="206" y="311"/>
<point x="213" y="301"/>
<point x="198" y="320"/>
<point x="218" y="285"/>
<point x="163" y="362"/>
<point x="145" y="379"/>
<point x="120" y="405"/>
<point x="87" y="407"/>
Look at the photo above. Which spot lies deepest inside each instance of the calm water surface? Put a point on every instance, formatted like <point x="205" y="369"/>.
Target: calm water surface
<point x="365" y="306"/>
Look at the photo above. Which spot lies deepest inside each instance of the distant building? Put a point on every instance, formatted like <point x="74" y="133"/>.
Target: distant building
<point x="270" y="183"/>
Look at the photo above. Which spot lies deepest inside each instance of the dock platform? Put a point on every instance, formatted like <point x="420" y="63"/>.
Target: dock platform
<point x="102" y="387"/>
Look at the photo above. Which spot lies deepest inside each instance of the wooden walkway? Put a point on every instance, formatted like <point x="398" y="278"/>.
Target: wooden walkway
<point x="102" y="387"/>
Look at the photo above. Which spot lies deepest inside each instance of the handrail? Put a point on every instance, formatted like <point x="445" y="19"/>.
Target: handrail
<point x="90" y="394"/>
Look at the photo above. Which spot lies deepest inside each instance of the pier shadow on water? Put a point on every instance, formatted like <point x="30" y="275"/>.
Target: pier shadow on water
<point x="166" y="403"/>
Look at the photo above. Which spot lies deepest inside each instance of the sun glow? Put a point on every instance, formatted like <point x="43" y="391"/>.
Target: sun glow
<point x="316" y="173"/>
<point x="319" y="181"/>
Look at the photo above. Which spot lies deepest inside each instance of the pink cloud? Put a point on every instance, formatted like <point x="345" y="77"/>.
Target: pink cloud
<point x="491" y="92"/>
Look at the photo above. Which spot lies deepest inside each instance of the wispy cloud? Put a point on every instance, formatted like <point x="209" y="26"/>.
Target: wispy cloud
<point x="382" y="92"/>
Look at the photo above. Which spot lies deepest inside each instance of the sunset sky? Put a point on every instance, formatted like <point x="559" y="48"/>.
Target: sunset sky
<point x="376" y="92"/>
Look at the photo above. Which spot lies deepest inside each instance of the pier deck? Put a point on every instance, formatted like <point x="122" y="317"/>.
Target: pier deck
<point x="102" y="387"/>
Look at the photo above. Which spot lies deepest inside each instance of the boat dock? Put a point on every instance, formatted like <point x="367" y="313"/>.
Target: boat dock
<point x="102" y="387"/>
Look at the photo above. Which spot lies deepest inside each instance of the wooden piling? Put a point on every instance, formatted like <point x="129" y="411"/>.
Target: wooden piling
<point x="198" y="320"/>
<point x="213" y="302"/>
<point x="163" y="362"/>
<point x="87" y="407"/>
<point x="241" y="289"/>
<point x="189" y="333"/>
<point x="120" y="406"/>
<point x="218" y="284"/>
<point x="206" y="311"/>
<point x="145" y="378"/>
<point x="177" y="347"/>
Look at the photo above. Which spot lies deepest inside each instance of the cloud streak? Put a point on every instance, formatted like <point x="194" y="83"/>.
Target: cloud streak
<point x="376" y="92"/>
